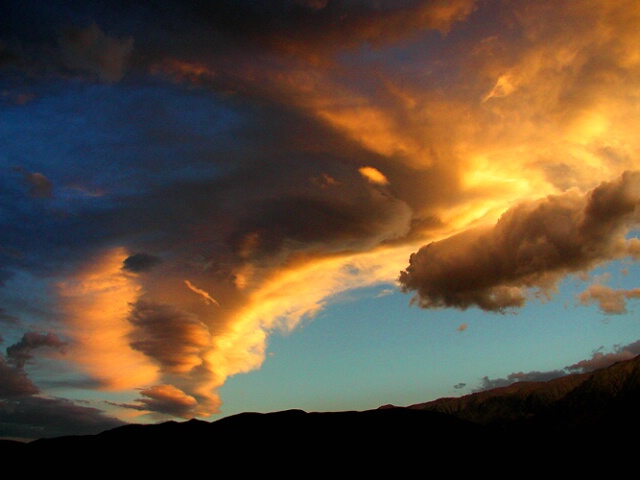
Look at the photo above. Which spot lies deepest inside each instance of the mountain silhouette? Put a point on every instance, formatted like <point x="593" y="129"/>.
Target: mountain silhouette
<point x="598" y="401"/>
<point x="539" y="419"/>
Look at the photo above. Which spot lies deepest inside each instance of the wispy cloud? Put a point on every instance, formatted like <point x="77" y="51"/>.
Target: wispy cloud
<point x="207" y="298"/>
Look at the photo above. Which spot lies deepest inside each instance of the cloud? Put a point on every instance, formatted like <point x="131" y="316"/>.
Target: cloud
<point x="15" y="382"/>
<point x="26" y="415"/>
<point x="320" y="25"/>
<point x="532" y="246"/>
<point x="34" y="417"/>
<point x="95" y="301"/>
<point x="385" y="292"/>
<point x="19" y="354"/>
<point x="7" y="318"/>
<point x="89" y="50"/>
<point x="535" y="376"/>
<point x="597" y="361"/>
<point x="602" y="360"/>
<point x="609" y="301"/>
<point x="140" y="262"/>
<point x="39" y="185"/>
<point x="207" y="298"/>
<point x="166" y="400"/>
<point x="173" y="338"/>
<point x="373" y="175"/>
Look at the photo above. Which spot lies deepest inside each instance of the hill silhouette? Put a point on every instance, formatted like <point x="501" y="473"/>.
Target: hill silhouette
<point x="599" y="401"/>
<point x="537" y="418"/>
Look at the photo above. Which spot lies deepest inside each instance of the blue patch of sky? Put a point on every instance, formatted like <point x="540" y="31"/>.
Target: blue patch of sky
<point x="90" y="140"/>
<point x="371" y="349"/>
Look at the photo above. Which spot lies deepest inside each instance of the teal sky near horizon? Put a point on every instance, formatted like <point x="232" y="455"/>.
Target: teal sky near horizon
<point x="367" y="350"/>
<point x="215" y="207"/>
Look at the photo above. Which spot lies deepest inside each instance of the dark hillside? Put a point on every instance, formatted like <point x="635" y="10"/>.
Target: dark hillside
<point x="526" y="420"/>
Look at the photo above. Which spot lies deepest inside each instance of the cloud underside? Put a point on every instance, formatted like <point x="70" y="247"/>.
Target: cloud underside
<point x="203" y="174"/>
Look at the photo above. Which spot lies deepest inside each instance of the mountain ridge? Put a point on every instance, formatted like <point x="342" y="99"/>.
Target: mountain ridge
<point x="540" y="416"/>
<point x="576" y="401"/>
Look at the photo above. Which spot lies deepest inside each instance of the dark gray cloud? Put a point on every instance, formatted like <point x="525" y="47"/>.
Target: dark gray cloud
<point x="172" y="337"/>
<point x="33" y="417"/>
<point x="21" y="353"/>
<point x="140" y="262"/>
<point x="14" y="382"/>
<point x="490" y="383"/>
<point x="601" y="359"/>
<point x="44" y="39"/>
<point x="532" y="246"/>
<point x="598" y="360"/>
<point x="26" y="415"/>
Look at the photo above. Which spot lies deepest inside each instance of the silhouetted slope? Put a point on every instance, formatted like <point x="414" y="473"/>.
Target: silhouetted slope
<point x="291" y="431"/>
<point x="525" y="420"/>
<point x="506" y="405"/>
<point x="581" y="402"/>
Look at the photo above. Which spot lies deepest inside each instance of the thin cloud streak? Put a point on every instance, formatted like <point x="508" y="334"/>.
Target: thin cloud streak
<point x="208" y="298"/>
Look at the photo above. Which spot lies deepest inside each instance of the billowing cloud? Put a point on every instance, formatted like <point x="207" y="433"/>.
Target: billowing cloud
<point x="532" y="246"/>
<point x="276" y="154"/>
<point x="609" y="300"/>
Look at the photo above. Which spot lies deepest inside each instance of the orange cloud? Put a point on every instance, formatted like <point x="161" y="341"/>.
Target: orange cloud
<point x="373" y="175"/>
<point x="609" y="300"/>
<point x="207" y="298"/>
<point x="95" y="301"/>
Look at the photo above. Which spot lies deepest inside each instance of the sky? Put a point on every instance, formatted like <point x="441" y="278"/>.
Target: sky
<point x="215" y="207"/>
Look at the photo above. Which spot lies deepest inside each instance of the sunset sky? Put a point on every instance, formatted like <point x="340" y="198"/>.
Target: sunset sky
<point x="210" y="207"/>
